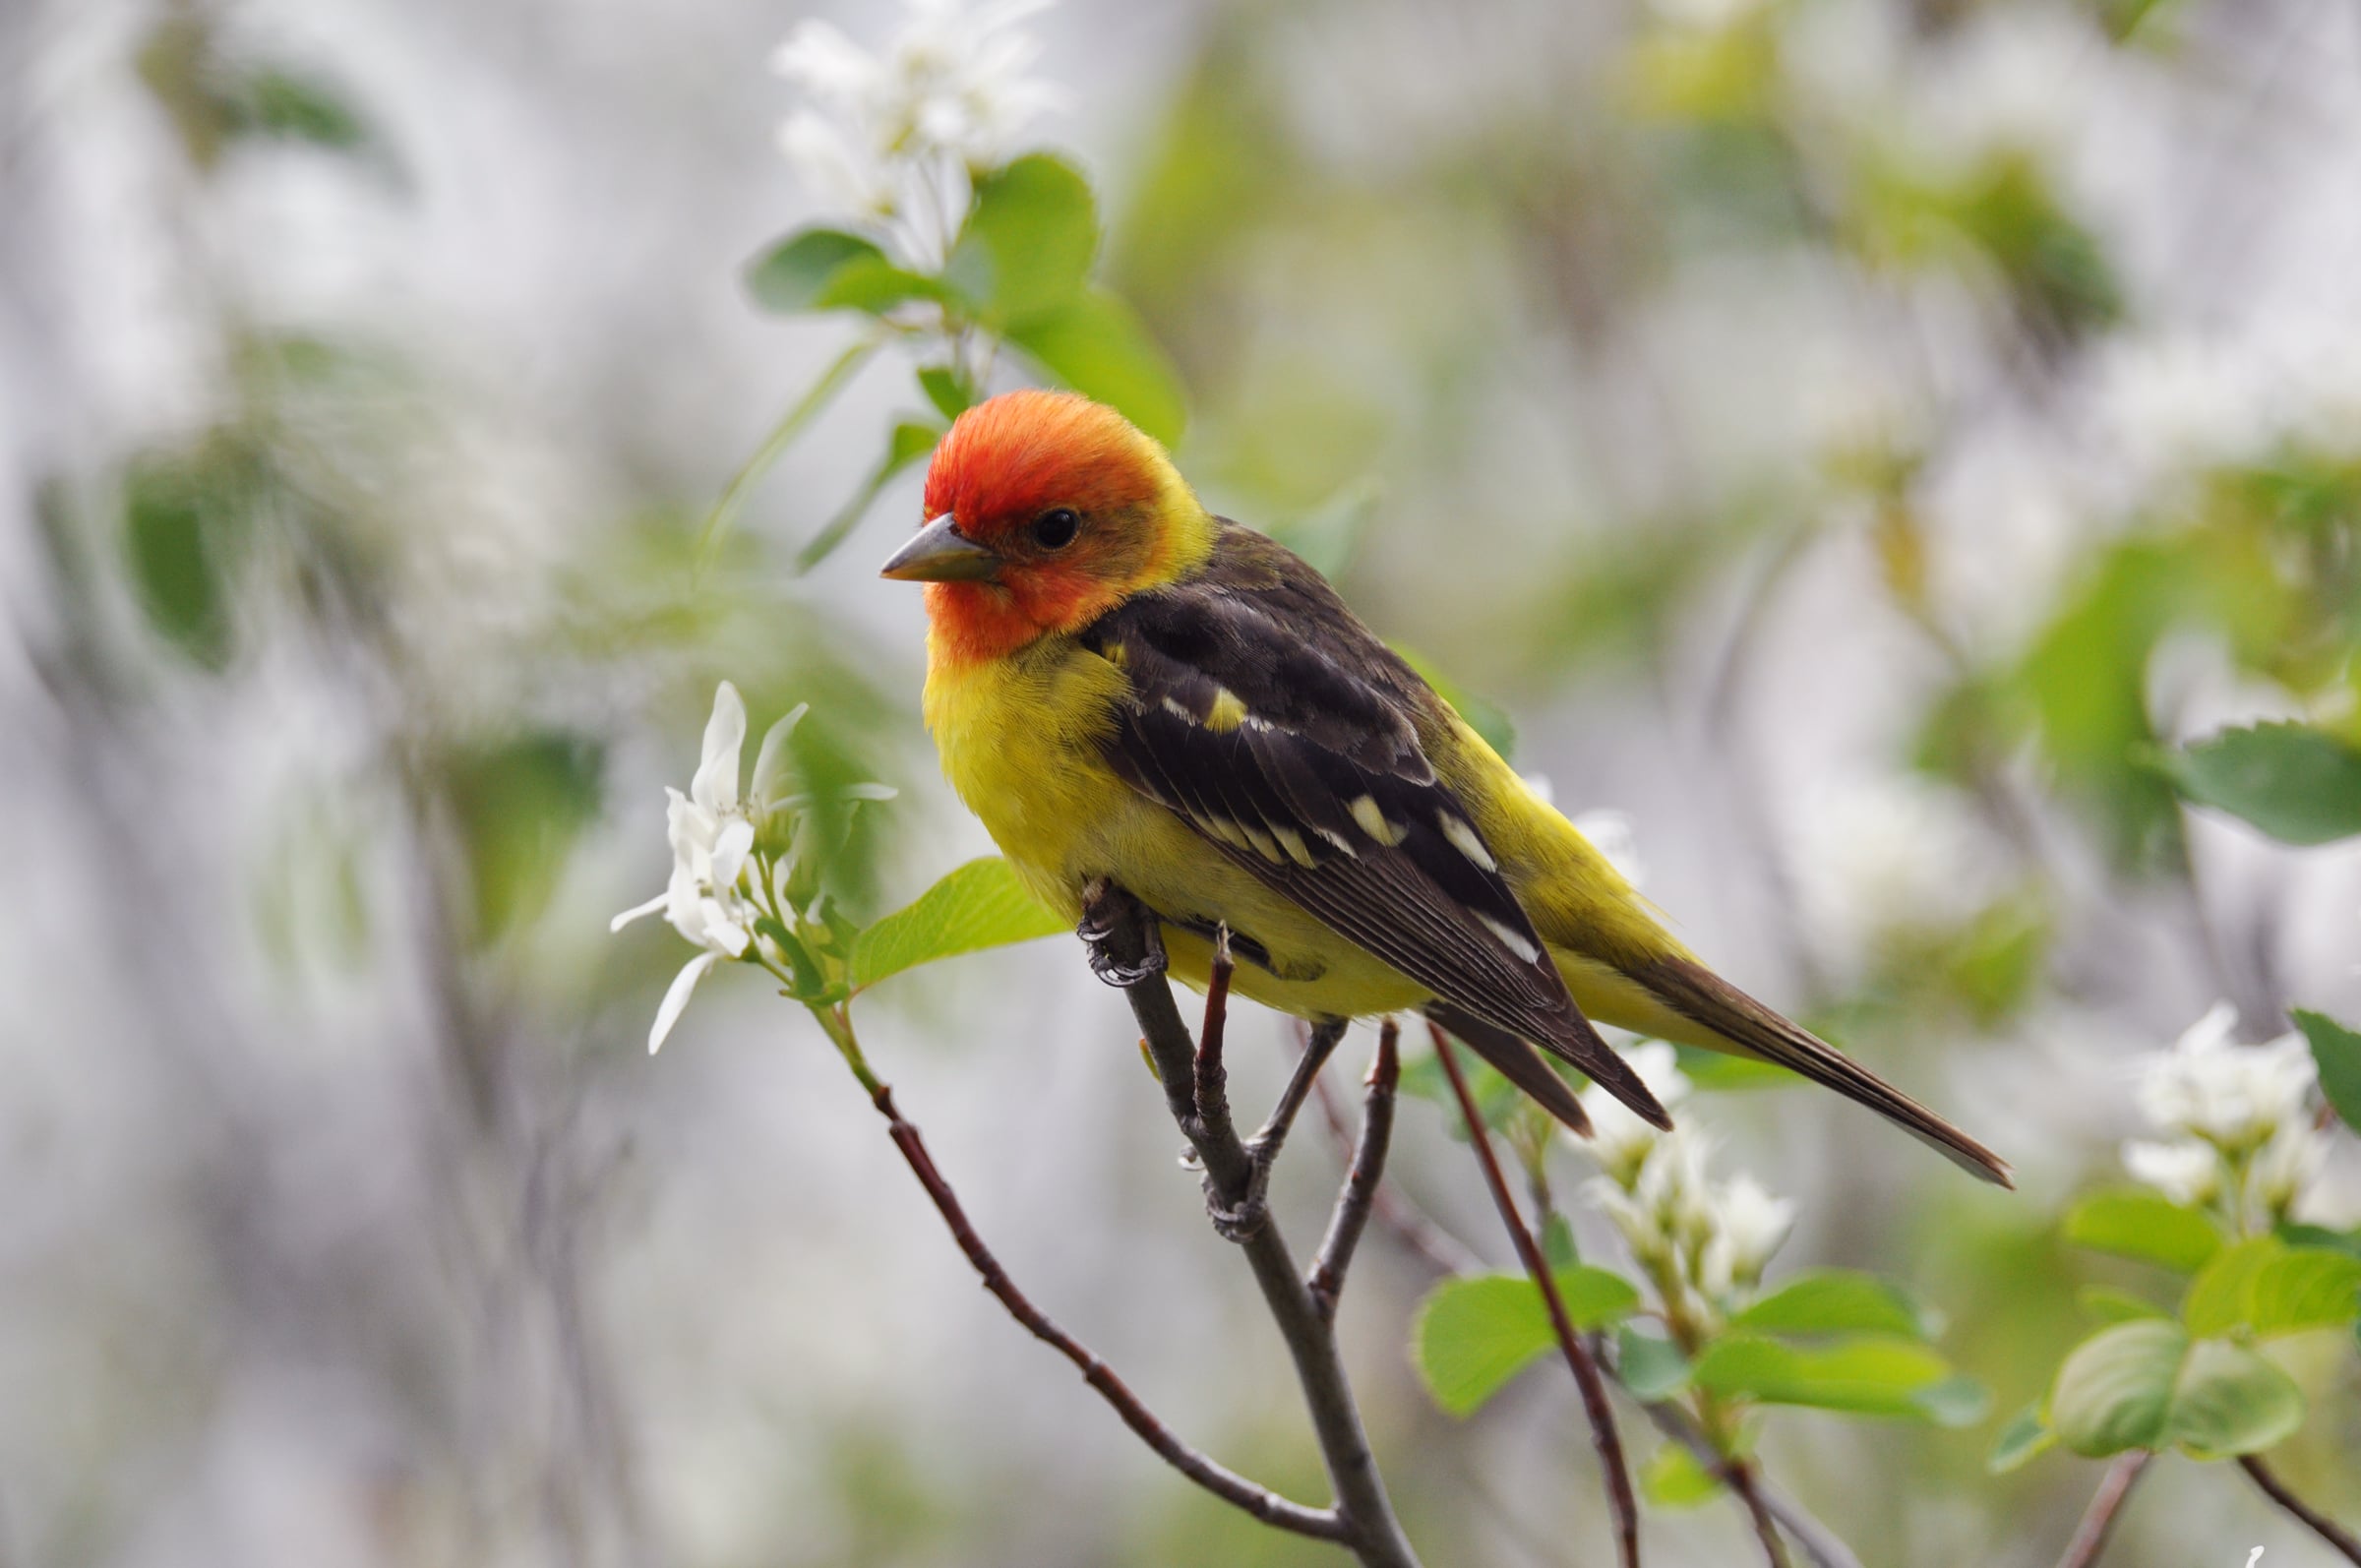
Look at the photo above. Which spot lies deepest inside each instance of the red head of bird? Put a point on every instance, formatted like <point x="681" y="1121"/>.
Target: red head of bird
<point x="1044" y="510"/>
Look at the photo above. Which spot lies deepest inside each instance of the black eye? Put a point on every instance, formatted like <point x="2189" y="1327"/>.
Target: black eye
<point x="1055" y="529"/>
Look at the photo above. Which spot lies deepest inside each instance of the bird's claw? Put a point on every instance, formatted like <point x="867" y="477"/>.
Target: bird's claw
<point x="1240" y="1221"/>
<point x="1101" y="924"/>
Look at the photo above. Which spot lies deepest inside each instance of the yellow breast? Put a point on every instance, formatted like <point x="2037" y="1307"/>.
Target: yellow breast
<point x="1023" y="742"/>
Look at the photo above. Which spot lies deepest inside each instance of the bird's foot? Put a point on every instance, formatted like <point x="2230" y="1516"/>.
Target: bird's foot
<point x="1242" y="1220"/>
<point x="1109" y="917"/>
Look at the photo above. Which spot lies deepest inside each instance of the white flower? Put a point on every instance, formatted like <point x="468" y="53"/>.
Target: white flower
<point x="2232" y="1096"/>
<point x="1619" y="1140"/>
<point x="711" y="898"/>
<point x="2284" y="1167"/>
<point x="1612" y="836"/>
<point x="1887" y="852"/>
<point x="1749" y="1226"/>
<point x="897" y="134"/>
<point x="2186" y="1169"/>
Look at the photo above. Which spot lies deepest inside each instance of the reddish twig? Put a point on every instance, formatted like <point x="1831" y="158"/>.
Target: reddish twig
<point x="1350" y="1217"/>
<point x="1578" y="1357"/>
<point x="2090" y="1535"/>
<point x="1209" y="1073"/>
<point x="2319" y="1524"/>
<point x="1224" y="1484"/>
<point x="1403" y="1220"/>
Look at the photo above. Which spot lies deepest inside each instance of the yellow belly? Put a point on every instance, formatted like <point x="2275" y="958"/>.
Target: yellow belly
<point x="1022" y="741"/>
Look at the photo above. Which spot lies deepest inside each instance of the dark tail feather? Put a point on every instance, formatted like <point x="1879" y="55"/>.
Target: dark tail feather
<point x="1581" y="1049"/>
<point x="1698" y="993"/>
<point x="1516" y="1061"/>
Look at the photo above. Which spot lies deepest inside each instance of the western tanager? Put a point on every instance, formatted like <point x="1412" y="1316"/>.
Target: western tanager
<point x="1123" y="686"/>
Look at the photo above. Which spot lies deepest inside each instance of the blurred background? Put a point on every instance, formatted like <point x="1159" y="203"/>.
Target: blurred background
<point x="1837" y="434"/>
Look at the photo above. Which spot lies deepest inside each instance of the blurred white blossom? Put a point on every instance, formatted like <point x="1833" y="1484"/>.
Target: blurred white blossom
<point x="713" y="896"/>
<point x="1750" y="1223"/>
<point x="1887" y="853"/>
<point x="2232" y="1096"/>
<point x="1702" y="1244"/>
<point x="2285" y="1167"/>
<point x="1620" y="1140"/>
<point x="895" y="138"/>
<point x="2243" y="1134"/>
<point x="2186" y="1169"/>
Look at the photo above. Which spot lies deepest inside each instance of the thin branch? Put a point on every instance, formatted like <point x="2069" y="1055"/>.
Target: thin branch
<point x="2319" y="1524"/>
<point x="1226" y="1484"/>
<point x="1416" y="1232"/>
<point x="1739" y="1476"/>
<point x="1126" y="952"/>
<point x="1273" y="1132"/>
<point x="1578" y="1357"/>
<point x="1814" y="1538"/>
<point x="1395" y="1210"/>
<point x="1208" y="1072"/>
<point x="1363" y="1179"/>
<point x="2090" y="1535"/>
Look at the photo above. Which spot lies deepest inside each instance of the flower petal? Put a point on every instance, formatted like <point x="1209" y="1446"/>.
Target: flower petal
<point x="715" y="786"/>
<point x="636" y="911"/>
<point x="770" y="760"/>
<point x="683" y="985"/>
<point x="730" y="849"/>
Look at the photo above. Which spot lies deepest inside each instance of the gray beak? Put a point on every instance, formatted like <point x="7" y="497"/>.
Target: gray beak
<point x="941" y="553"/>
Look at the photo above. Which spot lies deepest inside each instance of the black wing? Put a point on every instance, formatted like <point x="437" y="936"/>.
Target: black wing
<point x="1269" y="719"/>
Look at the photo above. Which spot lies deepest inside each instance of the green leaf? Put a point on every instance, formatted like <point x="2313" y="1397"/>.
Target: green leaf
<point x="1485" y="717"/>
<point x="2305" y="1290"/>
<point x="946" y="390"/>
<point x="1836" y="1301"/>
<point x="2086" y="680"/>
<point x="278" y="102"/>
<point x="2027" y="1437"/>
<point x="2321" y="1237"/>
<point x="1098" y="346"/>
<point x="2337" y="1051"/>
<point x="1558" y="1249"/>
<point x="1673" y="1481"/>
<point x="519" y="804"/>
<point x="1868" y="1375"/>
<point x="826" y="268"/>
<point x="2135" y="1222"/>
<point x="979" y="905"/>
<point x="2264" y="1288"/>
<point x="2298" y="784"/>
<point x="2110" y="1306"/>
<point x="2114" y="1390"/>
<point x="1652" y="1369"/>
<point x="2220" y="1297"/>
<point x="1957" y="1401"/>
<point x="2148" y="1385"/>
<point x="1026" y="247"/>
<point x="1473" y="1335"/>
<point x="2229" y="1400"/>
<point x="188" y="519"/>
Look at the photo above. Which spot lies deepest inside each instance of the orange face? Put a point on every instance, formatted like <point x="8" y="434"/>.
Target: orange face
<point x="1044" y="510"/>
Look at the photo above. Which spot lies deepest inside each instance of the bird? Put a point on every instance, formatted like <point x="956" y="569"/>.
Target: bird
<point x="1125" y="686"/>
